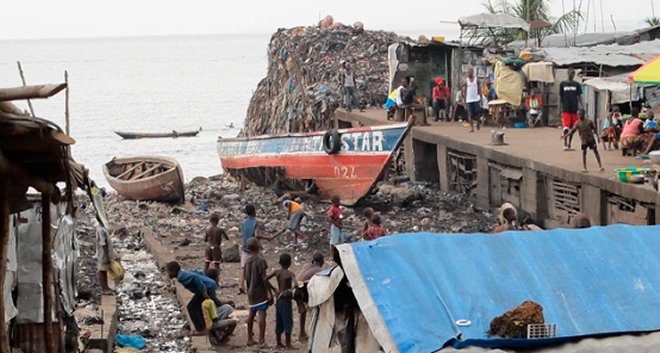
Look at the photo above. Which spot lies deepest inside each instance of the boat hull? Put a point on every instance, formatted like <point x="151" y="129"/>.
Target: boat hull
<point x="163" y="187"/>
<point x="349" y="174"/>
<point x="173" y="134"/>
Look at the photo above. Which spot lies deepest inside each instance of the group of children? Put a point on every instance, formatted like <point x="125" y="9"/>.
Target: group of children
<point x="255" y="279"/>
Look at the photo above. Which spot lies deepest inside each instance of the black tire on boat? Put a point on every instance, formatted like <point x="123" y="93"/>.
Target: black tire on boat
<point x="310" y="186"/>
<point x="331" y="141"/>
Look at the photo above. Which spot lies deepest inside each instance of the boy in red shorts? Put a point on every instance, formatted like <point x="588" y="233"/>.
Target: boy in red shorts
<point x="570" y="93"/>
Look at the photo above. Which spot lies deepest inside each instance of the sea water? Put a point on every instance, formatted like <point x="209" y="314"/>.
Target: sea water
<point x="143" y="84"/>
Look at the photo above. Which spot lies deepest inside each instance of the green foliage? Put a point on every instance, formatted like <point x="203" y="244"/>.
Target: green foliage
<point x="652" y="21"/>
<point x="527" y="10"/>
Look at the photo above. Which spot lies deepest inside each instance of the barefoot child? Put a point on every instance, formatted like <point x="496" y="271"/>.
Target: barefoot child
<point x="295" y="213"/>
<point x="258" y="291"/>
<point x="587" y="131"/>
<point x="368" y="213"/>
<point x="283" y="307"/>
<point x="213" y="239"/>
<point x="250" y="228"/>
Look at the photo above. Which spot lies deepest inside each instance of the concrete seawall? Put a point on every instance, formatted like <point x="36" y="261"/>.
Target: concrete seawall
<point x="532" y="172"/>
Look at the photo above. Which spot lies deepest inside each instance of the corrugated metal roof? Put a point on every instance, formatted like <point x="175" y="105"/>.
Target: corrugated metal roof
<point x="601" y="280"/>
<point x="608" y="55"/>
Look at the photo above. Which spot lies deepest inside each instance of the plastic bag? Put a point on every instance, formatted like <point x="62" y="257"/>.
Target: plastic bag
<point x="116" y="272"/>
<point x="137" y="342"/>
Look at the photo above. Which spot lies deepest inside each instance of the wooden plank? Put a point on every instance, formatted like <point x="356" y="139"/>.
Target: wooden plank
<point x="4" y="243"/>
<point x="129" y="170"/>
<point x="28" y="92"/>
<point x="145" y="172"/>
<point x="47" y="269"/>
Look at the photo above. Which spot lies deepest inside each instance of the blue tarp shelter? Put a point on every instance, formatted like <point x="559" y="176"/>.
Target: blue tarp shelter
<point x="413" y="288"/>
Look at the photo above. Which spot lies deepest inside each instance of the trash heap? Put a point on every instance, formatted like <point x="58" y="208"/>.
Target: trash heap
<point x="300" y="91"/>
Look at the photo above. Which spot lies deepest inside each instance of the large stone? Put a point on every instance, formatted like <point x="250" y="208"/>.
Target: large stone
<point x="326" y="22"/>
<point x="231" y="254"/>
<point x="513" y="323"/>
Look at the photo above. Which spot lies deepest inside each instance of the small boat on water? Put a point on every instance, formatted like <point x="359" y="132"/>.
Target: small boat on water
<point x="345" y="162"/>
<point x="141" y="135"/>
<point x="146" y="178"/>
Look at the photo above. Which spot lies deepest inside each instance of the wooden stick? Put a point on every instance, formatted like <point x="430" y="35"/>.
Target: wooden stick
<point x="145" y="172"/>
<point x="20" y="71"/>
<point x="31" y="92"/>
<point x="47" y="269"/>
<point x="67" y="126"/>
<point x="4" y="243"/>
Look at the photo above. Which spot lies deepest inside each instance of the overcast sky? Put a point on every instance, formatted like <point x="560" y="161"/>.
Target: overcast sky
<point x="93" y="18"/>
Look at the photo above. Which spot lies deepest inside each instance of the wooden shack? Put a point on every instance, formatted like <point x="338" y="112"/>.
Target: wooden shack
<point x="34" y="153"/>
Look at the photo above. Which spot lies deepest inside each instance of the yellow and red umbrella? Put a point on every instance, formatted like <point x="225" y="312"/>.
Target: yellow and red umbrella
<point x="649" y="73"/>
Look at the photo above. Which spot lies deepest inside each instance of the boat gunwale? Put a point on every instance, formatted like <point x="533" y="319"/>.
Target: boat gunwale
<point x="314" y="133"/>
<point x="174" y="167"/>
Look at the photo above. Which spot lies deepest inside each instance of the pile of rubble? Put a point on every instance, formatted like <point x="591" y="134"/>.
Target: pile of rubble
<point x="300" y="91"/>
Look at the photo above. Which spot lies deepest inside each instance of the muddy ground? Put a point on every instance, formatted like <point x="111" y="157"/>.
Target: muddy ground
<point x="404" y="208"/>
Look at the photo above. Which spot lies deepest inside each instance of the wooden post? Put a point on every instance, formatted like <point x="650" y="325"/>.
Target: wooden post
<point x="47" y="269"/>
<point x="20" y="71"/>
<point x="4" y="233"/>
<point x="66" y="103"/>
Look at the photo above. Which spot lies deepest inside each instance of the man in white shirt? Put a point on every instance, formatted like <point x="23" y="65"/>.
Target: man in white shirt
<point x="472" y="92"/>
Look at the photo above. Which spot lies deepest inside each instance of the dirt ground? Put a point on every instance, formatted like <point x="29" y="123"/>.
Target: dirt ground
<point x="404" y="208"/>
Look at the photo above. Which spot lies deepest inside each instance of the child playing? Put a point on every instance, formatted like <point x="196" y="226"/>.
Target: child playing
<point x="295" y="213"/>
<point x="258" y="291"/>
<point x="375" y="231"/>
<point x="213" y="239"/>
<point x="219" y="326"/>
<point x="587" y="131"/>
<point x="300" y="294"/>
<point x="336" y="216"/>
<point x="283" y="307"/>
<point x="250" y="228"/>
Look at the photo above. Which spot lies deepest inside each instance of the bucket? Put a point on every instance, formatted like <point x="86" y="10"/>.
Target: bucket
<point x="624" y="174"/>
<point x="519" y="125"/>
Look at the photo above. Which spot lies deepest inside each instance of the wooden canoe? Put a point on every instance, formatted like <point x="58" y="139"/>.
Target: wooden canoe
<point x="146" y="178"/>
<point x="304" y="162"/>
<point x="141" y="135"/>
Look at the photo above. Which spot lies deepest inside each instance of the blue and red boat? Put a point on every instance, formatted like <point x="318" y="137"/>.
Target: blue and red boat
<point x="344" y="162"/>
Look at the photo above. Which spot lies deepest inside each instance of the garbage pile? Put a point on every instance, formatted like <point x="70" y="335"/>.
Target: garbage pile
<point x="300" y="91"/>
<point x="147" y="307"/>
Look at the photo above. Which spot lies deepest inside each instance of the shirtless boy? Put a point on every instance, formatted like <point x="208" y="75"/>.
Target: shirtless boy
<point x="213" y="239"/>
<point x="587" y="131"/>
<point x="283" y="308"/>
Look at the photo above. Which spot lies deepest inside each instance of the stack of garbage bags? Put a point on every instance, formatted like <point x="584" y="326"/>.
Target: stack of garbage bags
<point x="301" y="90"/>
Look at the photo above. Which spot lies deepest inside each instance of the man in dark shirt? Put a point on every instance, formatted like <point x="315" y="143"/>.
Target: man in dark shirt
<point x="570" y="93"/>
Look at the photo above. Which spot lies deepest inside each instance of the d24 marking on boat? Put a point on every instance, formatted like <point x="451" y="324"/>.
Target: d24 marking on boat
<point x="345" y="172"/>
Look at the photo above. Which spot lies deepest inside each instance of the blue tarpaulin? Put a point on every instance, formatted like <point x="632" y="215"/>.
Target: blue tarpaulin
<point x="601" y="280"/>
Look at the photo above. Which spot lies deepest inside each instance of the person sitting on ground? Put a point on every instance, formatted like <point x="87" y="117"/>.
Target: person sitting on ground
<point x="534" y="105"/>
<point x="368" y="214"/>
<point x="651" y="132"/>
<point x="213" y="239"/>
<point x="201" y="286"/>
<point x="300" y="294"/>
<point x="508" y="219"/>
<point x="258" y="292"/>
<point x="283" y="306"/>
<point x="105" y="255"/>
<point x="250" y="228"/>
<point x="375" y="231"/>
<point x="632" y="136"/>
<point x="587" y="131"/>
<point x="440" y="96"/>
<point x="295" y="213"/>
<point x="216" y="318"/>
